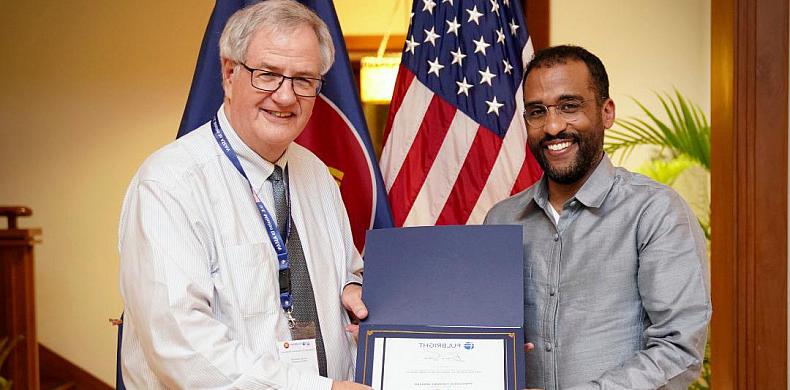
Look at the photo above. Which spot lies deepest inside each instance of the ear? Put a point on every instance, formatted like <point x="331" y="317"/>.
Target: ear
<point x="607" y="113"/>
<point x="229" y="69"/>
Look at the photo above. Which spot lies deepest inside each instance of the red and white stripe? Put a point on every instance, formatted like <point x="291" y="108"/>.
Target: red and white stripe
<point x="440" y="167"/>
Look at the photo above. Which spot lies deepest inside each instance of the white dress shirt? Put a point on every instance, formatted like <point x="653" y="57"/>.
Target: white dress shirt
<point x="199" y="276"/>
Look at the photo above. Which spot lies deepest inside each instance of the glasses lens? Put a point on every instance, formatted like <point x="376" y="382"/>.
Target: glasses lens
<point x="270" y="82"/>
<point x="570" y="107"/>
<point x="535" y="115"/>
<point x="266" y="81"/>
<point x="306" y="87"/>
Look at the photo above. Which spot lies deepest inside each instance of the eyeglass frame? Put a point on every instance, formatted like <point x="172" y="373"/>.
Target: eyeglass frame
<point x="557" y="110"/>
<point x="282" y="80"/>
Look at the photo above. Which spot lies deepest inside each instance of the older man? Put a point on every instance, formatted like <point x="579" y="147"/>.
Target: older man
<point x="616" y="295"/>
<point x="237" y="261"/>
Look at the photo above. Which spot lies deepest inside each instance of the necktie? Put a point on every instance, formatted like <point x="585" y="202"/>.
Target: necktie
<point x="301" y="288"/>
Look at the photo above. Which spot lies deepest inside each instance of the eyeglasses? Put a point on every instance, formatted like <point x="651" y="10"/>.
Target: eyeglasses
<point x="569" y="110"/>
<point x="271" y="81"/>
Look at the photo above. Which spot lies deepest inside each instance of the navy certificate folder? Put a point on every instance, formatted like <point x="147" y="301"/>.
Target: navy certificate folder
<point x="445" y="282"/>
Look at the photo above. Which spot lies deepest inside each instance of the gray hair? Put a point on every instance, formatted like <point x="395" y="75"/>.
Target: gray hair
<point x="278" y="16"/>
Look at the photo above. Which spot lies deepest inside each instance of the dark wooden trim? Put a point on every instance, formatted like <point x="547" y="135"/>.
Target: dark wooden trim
<point x="749" y="79"/>
<point x="537" y="15"/>
<point x="14" y="212"/>
<point x="17" y="300"/>
<point x="724" y="330"/>
<point x="57" y="370"/>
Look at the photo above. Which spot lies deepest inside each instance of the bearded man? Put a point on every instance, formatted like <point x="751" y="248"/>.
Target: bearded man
<point x="616" y="287"/>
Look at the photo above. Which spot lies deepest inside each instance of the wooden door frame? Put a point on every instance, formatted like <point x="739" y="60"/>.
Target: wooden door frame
<point x="536" y="13"/>
<point x="749" y="78"/>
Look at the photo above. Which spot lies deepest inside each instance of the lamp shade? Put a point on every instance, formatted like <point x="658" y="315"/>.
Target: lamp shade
<point x="377" y="78"/>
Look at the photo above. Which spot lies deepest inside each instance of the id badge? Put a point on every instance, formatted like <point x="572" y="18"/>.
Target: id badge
<point x="300" y="353"/>
<point x="301" y="330"/>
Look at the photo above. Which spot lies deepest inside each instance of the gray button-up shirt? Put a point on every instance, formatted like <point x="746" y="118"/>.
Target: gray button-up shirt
<point x="617" y="293"/>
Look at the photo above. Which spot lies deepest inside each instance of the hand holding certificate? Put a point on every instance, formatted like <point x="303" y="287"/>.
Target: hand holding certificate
<point x="446" y="309"/>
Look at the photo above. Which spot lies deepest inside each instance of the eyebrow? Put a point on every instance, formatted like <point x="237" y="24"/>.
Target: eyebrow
<point x="276" y="69"/>
<point x="562" y="98"/>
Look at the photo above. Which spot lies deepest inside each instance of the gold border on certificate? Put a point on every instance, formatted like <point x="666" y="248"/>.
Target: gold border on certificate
<point x="370" y="333"/>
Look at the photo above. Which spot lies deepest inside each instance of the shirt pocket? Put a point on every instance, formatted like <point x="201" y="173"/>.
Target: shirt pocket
<point x="253" y="276"/>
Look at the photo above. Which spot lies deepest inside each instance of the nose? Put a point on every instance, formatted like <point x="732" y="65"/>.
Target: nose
<point x="284" y="95"/>
<point x="555" y="123"/>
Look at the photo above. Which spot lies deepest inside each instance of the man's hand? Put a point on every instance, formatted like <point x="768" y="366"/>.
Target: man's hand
<point x="528" y="347"/>
<point x="345" y="385"/>
<point x="352" y="301"/>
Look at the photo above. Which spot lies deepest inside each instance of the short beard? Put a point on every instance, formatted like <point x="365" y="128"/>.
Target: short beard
<point x="590" y="151"/>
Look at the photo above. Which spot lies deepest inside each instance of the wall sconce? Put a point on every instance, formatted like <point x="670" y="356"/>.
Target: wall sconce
<point x="377" y="78"/>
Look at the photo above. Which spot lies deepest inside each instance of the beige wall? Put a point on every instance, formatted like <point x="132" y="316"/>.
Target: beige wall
<point x="380" y="16"/>
<point x="646" y="45"/>
<point x="89" y="88"/>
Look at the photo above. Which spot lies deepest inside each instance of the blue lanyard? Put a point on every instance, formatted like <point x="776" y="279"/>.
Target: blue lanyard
<point x="271" y="227"/>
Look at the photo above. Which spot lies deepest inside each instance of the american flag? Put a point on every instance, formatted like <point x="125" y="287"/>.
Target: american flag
<point x="455" y="138"/>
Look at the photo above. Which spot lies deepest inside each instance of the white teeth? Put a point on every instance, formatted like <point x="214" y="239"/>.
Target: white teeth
<point x="559" y="146"/>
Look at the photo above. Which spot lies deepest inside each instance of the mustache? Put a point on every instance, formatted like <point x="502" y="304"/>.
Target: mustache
<point x="561" y="136"/>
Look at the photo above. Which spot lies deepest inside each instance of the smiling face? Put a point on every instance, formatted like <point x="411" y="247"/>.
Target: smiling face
<point x="568" y="150"/>
<point x="269" y="121"/>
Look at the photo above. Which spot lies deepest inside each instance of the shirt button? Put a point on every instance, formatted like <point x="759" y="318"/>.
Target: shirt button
<point x="548" y="347"/>
<point x="556" y="236"/>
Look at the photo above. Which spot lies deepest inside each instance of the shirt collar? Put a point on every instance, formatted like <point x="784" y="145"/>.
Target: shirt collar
<point x="592" y="193"/>
<point x="256" y="167"/>
<point x="597" y="186"/>
<point x="541" y="195"/>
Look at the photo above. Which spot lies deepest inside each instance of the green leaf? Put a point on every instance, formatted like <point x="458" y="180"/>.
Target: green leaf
<point x="666" y="171"/>
<point x="686" y="131"/>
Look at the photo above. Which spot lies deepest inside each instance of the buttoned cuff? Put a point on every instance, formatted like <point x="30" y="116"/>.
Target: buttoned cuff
<point x="353" y="279"/>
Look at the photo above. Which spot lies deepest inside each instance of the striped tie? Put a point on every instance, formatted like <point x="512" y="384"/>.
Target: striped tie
<point x="301" y="288"/>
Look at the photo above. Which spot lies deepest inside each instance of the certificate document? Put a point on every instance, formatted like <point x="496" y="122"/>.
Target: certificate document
<point x="415" y="338"/>
<point x="443" y="364"/>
